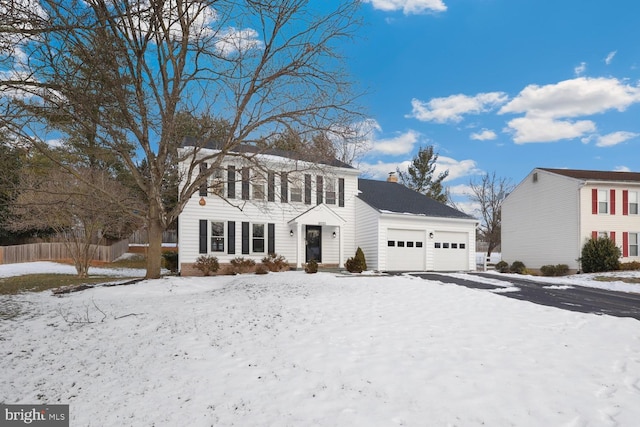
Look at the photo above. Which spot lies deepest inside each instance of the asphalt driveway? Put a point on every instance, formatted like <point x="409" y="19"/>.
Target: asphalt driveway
<point x="575" y="298"/>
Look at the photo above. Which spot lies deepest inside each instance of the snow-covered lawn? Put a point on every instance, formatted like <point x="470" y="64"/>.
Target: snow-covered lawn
<point x="292" y="349"/>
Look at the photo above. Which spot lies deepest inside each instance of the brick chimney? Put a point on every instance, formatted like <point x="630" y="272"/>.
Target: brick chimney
<point x="392" y="177"/>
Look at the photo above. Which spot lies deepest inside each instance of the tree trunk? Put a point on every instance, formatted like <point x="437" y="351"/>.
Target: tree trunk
<point x="154" y="253"/>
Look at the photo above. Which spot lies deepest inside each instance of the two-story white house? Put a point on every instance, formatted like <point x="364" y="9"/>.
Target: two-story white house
<point x="551" y="214"/>
<point x="271" y="202"/>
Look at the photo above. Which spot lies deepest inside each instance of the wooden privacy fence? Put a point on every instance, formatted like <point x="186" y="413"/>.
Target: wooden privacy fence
<point x="56" y="251"/>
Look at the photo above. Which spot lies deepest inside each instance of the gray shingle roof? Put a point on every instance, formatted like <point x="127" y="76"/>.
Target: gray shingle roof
<point x="596" y="175"/>
<point x="395" y="197"/>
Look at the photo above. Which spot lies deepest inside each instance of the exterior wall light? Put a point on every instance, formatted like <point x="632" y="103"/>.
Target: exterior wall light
<point x="431" y="235"/>
<point x="334" y="235"/>
<point x="291" y="233"/>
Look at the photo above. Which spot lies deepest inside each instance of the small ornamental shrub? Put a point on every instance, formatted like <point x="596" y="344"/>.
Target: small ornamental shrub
<point x="311" y="267"/>
<point x="360" y="257"/>
<point x="554" y="270"/>
<point x="170" y="261"/>
<point x="262" y="269"/>
<point x="207" y="264"/>
<point x="600" y="254"/>
<point x="502" y="267"/>
<point x="518" y="267"/>
<point x="275" y="262"/>
<point x="242" y="265"/>
<point x="630" y="266"/>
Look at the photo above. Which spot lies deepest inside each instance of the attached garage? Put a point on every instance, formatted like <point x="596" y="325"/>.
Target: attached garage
<point x="406" y="250"/>
<point x="400" y="229"/>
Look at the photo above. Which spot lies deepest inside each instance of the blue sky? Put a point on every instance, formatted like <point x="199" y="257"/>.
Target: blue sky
<point x="500" y="86"/>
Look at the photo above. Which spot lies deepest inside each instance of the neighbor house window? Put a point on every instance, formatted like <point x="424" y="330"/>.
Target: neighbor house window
<point x="633" y="244"/>
<point x="330" y="185"/>
<point x="633" y="203"/>
<point x="258" y="238"/>
<point x="603" y="201"/>
<point x="217" y="236"/>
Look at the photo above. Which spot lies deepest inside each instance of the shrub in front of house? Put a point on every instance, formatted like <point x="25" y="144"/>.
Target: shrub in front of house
<point x="311" y="267"/>
<point x="207" y="264"/>
<point x="502" y="267"/>
<point x="275" y="262"/>
<point x="360" y="257"/>
<point x="600" y="254"/>
<point x="518" y="267"/>
<point x="170" y="261"/>
<point x="630" y="266"/>
<point x="554" y="270"/>
<point x="262" y="269"/>
<point x="242" y="265"/>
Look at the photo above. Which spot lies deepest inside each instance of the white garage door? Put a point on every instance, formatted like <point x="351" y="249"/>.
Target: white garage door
<point x="450" y="251"/>
<point x="405" y="250"/>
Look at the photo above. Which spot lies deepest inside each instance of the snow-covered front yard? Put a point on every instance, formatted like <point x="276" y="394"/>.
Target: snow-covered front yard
<point x="292" y="349"/>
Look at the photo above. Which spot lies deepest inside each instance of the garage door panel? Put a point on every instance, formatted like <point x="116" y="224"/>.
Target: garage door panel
<point x="405" y="249"/>
<point x="450" y="251"/>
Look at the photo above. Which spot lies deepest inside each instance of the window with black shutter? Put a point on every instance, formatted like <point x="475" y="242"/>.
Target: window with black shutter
<point x="307" y="189"/>
<point x="231" y="182"/>
<point x="203" y="187"/>
<point x="271" y="186"/>
<point x="203" y="237"/>
<point x="319" y="190"/>
<point x="245" y="183"/>
<point x="341" y="192"/>
<point x="231" y="237"/>
<point x="284" y="187"/>
<point x="245" y="238"/>
<point x="271" y="238"/>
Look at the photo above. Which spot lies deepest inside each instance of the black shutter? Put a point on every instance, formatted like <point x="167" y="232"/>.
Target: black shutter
<point x="271" y="186"/>
<point x="245" y="183"/>
<point x="271" y="242"/>
<point x="319" y="189"/>
<point x="203" y="186"/>
<point x="245" y="237"/>
<point x="231" y="237"/>
<point x="203" y="236"/>
<point x="284" y="187"/>
<point x="341" y="192"/>
<point x="307" y="189"/>
<point x="231" y="182"/>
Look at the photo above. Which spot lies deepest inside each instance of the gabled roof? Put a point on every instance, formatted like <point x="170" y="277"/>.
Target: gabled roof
<point x="252" y="149"/>
<point x="396" y="198"/>
<point x="588" y="175"/>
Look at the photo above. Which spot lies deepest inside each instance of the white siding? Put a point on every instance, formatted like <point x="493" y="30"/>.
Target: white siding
<point x="367" y="233"/>
<point x="540" y="221"/>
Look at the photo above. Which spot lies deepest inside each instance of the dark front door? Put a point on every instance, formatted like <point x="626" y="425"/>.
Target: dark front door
<point x="313" y="239"/>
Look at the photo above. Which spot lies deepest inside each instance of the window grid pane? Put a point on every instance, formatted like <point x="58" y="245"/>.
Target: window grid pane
<point x="217" y="236"/>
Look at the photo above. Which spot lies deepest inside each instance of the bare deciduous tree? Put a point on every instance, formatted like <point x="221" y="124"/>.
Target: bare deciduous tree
<point x="83" y="207"/>
<point x="123" y="71"/>
<point x="488" y="193"/>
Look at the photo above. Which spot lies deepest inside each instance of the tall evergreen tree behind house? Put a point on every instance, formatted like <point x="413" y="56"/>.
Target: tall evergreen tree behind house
<point x="420" y="175"/>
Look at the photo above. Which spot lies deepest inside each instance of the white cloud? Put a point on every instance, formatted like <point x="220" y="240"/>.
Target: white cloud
<point x="452" y="108"/>
<point x="484" y="135"/>
<point x="621" y="169"/>
<point x="609" y="57"/>
<point x="580" y="69"/>
<point x="408" y="7"/>
<point x="232" y="40"/>
<point x="573" y="98"/>
<point x="457" y="169"/>
<point x="614" y="138"/>
<point x="544" y="129"/>
<point x="400" y="144"/>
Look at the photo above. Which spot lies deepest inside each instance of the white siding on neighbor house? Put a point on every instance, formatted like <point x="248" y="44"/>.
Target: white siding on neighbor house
<point x="612" y="222"/>
<point x="264" y="212"/>
<point x="367" y="233"/>
<point x="540" y="221"/>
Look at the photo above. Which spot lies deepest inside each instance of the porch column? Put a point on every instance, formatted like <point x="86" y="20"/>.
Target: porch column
<point x="340" y="248"/>
<point x="299" y="248"/>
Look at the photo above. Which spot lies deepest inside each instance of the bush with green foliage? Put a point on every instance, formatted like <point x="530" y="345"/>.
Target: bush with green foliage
<point x="170" y="261"/>
<point x="311" y="267"/>
<point x="207" y="264"/>
<point x="630" y="266"/>
<point x="242" y="265"/>
<point x="518" y="267"/>
<point x="275" y="262"/>
<point x="502" y="267"/>
<point x="554" y="270"/>
<point x="361" y="259"/>
<point x="600" y="254"/>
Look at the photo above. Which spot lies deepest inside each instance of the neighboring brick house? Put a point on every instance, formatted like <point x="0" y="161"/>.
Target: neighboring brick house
<point x="275" y="203"/>
<point x="552" y="213"/>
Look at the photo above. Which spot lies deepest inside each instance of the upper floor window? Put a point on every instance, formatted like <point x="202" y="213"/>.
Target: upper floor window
<point x="330" y="185"/>
<point x="217" y="182"/>
<point x="296" y="191"/>
<point x="633" y="244"/>
<point x="258" y="186"/>
<point x="633" y="203"/>
<point x="603" y="201"/>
